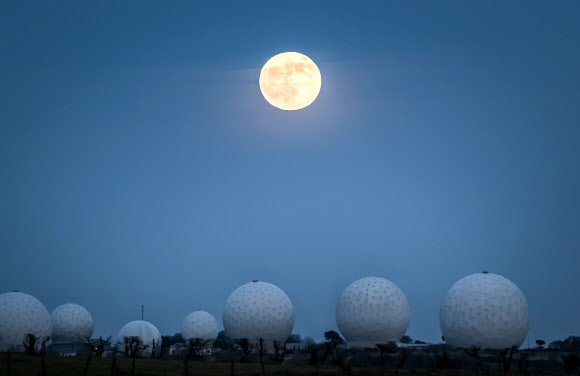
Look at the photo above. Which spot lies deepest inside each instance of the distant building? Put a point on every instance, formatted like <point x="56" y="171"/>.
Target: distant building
<point x="296" y="346"/>
<point x="67" y="349"/>
<point x="177" y="349"/>
<point x="75" y="348"/>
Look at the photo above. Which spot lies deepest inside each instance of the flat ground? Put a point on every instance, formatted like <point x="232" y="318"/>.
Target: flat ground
<point x="22" y="365"/>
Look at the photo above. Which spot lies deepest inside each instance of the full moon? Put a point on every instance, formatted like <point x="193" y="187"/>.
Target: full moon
<point x="290" y="81"/>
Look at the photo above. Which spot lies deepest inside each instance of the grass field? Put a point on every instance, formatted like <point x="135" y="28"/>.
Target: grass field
<point x="22" y="365"/>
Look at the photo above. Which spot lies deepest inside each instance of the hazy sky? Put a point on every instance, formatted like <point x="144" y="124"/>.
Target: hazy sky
<point x="140" y="164"/>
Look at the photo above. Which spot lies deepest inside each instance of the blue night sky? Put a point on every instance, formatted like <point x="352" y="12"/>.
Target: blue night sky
<point x="140" y="164"/>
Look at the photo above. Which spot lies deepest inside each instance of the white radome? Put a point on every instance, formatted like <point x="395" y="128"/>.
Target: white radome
<point x="484" y="310"/>
<point x="22" y="314"/>
<point x="71" y="323"/>
<point x="259" y="310"/>
<point x="146" y="331"/>
<point x="200" y="324"/>
<point x="372" y="311"/>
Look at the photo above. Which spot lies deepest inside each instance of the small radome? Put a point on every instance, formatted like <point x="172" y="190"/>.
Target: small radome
<point x="372" y="310"/>
<point x="146" y="331"/>
<point x="71" y="323"/>
<point x="259" y="310"/>
<point x="200" y="324"/>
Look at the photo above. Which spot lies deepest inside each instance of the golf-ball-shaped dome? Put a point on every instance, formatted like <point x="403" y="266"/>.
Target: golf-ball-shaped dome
<point x="70" y="323"/>
<point x="259" y="310"/>
<point x="372" y="311"/>
<point x="484" y="310"/>
<point x="20" y="315"/>
<point x="146" y="331"/>
<point x="200" y="324"/>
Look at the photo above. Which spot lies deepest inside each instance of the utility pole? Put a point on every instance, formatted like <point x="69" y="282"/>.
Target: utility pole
<point x="142" y="311"/>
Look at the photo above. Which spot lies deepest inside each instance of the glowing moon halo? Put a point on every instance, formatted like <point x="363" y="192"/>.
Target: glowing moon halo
<point x="290" y="81"/>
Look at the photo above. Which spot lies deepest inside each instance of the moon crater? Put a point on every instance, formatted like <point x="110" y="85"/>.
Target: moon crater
<point x="290" y="81"/>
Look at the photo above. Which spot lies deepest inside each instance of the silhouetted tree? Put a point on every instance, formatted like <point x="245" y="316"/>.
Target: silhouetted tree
<point x="86" y="369"/>
<point x="223" y="341"/>
<point x="385" y="349"/>
<point x="246" y="348"/>
<point x="404" y="357"/>
<point x="406" y="339"/>
<point x="474" y="353"/>
<point x="442" y="362"/>
<point x="570" y="344"/>
<point x="132" y="372"/>
<point x="167" y="342"/>
<point x="261" y="347"/>
<point x="155" y="345"/>
<point x="97" y="347"/>
<point x="43" y="345"/>
<point x="42" y="354"/>
<point x="313" y="349"/>
<point x="133" y="346"/>
<point x="29" y="343"/>
<point x="523" y="362"/>
<point x="163" y="349"/>
<point x="279" y="351"/>
<point x="196" y="348"/>
<point x="331" y="347"/>
<point x="333" y="337"/>
<point x="505" y="357"/>
<point x="540" y="343"/>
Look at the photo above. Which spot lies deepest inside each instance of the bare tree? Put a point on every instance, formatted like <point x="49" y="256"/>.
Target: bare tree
<point x="505" y="357"/>
<point x="133" y="346"/>
<point x="86" y="369"/>
<point x="164" y="348"/>
<point x="197" y="348"/>
<point x="403" y="359"/>
<point x="384" y="350"/>
<point x="29" y="343"/>
<point x="332" y="350"/>
<point x="42" y="354"/>
<point x="474" y="353"/>
<point x="313" y="349"/>
<point x="442" y="361"/>
<point x="43" y="345"/>
<point x="246" y="348"/>
<point x="261" y="344"/>
<point x="524" y="363"/>
<point x="154" y="347"/>
<point x="97" y="347"/>
<point x="278" y="351"/>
